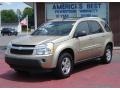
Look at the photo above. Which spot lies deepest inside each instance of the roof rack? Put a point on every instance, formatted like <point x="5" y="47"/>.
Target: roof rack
<point x="57" y="19"/>
<point x="73" y="18"/>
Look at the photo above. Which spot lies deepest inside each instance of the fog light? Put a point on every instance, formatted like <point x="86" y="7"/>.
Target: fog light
<point x="43" y="60"/>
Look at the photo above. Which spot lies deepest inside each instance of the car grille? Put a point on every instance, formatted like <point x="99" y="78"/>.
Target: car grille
<point x="21" y="52"/>
<point x="22" y="49"/>
<point x="17" y="45"/>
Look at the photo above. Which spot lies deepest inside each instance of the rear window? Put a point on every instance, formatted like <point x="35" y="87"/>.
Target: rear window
<point x="107" y="28"/>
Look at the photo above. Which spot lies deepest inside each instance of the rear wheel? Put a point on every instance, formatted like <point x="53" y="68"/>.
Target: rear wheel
<point x="64" y="65"/>
<point x="107" y="57"/>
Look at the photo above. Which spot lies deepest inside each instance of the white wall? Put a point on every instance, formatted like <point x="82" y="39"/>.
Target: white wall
<point x="19" y="28"/>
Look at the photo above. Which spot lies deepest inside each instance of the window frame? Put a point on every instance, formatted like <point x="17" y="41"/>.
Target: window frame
<point x="104" y="24"/>
<point x="77" y="26"/>
<point x="97" y="24"/>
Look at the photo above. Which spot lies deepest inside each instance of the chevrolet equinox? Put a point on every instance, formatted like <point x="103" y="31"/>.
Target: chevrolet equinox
<point x="59" y="44"/>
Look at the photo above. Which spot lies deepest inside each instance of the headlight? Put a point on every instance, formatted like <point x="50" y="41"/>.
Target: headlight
<point x="44" y="49"/>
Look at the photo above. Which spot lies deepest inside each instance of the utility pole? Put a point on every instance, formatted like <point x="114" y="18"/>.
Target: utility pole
<point x="27" y="24"/>
<point x="0" y="17"/>
<point x="19" y="18"/>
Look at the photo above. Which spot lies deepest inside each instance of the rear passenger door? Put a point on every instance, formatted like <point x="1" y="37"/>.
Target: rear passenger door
<point x="97" y="36"/>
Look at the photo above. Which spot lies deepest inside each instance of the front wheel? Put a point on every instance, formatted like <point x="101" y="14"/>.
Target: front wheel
<point x="64" y="65"/>
<point x="20" y="71"/>
<point x="107" y="57"/>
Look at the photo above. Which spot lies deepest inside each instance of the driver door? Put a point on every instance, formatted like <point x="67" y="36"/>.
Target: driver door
<point x="84" y="42"/>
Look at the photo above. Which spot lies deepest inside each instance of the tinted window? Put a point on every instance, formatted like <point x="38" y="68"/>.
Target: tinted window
<point x="95" y="27"/>
<point x="58" y="28"/>
<point x="107" y="28"/>
<point x="5" y="29"/>
<point x="82" y="26"/>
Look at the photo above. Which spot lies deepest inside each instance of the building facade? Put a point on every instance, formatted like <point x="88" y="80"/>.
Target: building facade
<point x="110" y="12"/>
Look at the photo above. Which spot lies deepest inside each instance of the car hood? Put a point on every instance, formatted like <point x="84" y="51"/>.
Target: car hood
<point x="34" y="40"/>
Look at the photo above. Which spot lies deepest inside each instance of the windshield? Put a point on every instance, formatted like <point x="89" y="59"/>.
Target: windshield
<point x="60" y="28"/>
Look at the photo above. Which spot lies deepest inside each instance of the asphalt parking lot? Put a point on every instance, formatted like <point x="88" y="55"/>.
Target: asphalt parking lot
<point x="88" y="74"/>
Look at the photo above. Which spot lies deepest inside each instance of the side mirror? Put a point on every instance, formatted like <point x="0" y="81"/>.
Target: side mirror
<point x="80" y="33"/>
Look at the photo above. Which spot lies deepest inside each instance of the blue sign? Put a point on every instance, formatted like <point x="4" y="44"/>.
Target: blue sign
<point x="71" y="10"/>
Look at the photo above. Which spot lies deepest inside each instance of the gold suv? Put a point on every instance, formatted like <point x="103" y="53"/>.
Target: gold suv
<point x="59" y="44"/>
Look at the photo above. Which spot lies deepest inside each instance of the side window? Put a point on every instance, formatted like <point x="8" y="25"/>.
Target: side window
<point x="82" y="26"/>
<point x="95" y="27"/>
<point x="107" y="28"/>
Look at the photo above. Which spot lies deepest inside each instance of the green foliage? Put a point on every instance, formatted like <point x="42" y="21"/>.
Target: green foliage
<point x="29" y="11"/>
<point x="8" y="16"/>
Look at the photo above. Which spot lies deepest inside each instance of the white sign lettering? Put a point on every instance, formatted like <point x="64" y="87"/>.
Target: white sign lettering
<point x="71" y="10"/>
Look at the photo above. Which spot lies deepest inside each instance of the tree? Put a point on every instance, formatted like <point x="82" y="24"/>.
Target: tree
<point x="29" y="11"/>
<point x="8" y="16"/>
<point x="19" y="14"/>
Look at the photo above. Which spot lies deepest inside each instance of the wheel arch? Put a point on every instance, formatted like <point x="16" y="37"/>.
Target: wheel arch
<point x="60" y="51"/>
<point x="68" y="50"/>
<point x="111" y="44"/>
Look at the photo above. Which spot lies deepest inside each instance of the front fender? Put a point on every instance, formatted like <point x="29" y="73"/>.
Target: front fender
<point x="58" y="50"/>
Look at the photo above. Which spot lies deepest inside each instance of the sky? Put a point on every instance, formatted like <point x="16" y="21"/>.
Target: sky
<point x="13" y="5"/>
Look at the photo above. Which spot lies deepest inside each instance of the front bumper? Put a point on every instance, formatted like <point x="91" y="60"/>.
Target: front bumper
<point x="23" y="62"/>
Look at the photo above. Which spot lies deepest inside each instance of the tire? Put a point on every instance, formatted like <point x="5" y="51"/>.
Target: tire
<point x="20" y="71"/>
<point x="64" y="65"/>
<point x="107" y="57"/>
